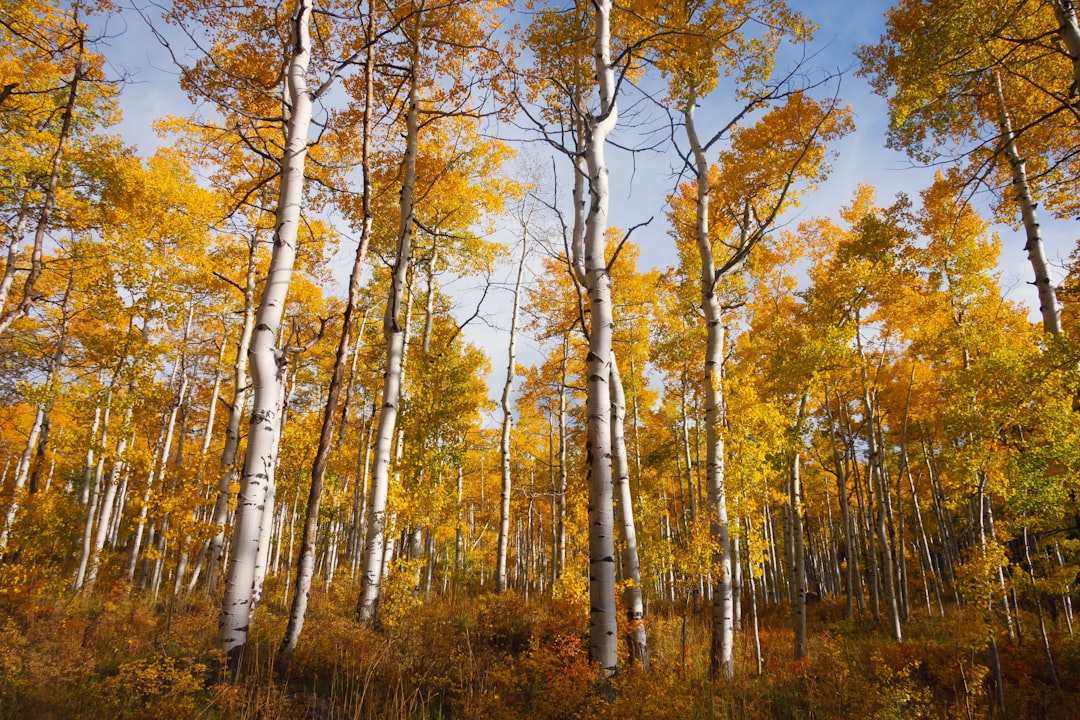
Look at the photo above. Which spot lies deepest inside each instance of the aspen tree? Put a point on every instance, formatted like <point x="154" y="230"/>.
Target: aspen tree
<point x="62" y="36"/>
<point x="445" y="50"/>
<point x="624" y="516"/>
<point x="394" y="333"/>
<point x="504" y="440"/>
<point x="266" y="360"/>
<point x="305" y="564"/>
<point x="603" y="635"/>
<point x="971" y="82"/>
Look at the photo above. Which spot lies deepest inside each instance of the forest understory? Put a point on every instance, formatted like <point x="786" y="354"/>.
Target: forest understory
<point x="123" y="655"/>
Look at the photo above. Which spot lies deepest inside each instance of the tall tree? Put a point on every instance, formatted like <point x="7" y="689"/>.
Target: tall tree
<point x="975" y="83"/>
<point x="267" y="361"/>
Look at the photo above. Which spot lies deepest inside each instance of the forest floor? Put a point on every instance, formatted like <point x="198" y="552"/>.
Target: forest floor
<point x="117" y="655"/>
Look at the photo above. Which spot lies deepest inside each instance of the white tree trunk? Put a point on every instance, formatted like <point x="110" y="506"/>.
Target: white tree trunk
<point x="108" y="501"/>
<point x="37" y="264"/>
<point x="723" y="611"/>
<point x="22" y="472"/>
<point x="504" y="441"/>
<point x="266" y="364"/>
<point x="636" y="638"/>
<point x="798" y="554"/>
<point x="1048" y="303"/>
<point x="216" y="546"/>
<point x="603" y="640"/>
<point x="305" y="563"/>
<point x="157" y="471"/>
<point x="1069" y="32"/>
<point x="394" y="333"/>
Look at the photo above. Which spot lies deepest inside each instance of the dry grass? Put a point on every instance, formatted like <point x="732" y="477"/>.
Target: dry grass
<point x="498" y="657"/>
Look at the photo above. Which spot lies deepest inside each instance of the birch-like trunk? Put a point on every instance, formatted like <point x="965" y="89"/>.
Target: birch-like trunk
<point x="265" y="358"/>
<point x="216" y="547"/>
<point x="1038" y="608"/>
<point x="1069" y="32"/>
<point x="161" y="457"/>
<point x="723" y="612"/>
<point x="92" y="479"/>
<point x="636" y="639"/>
<point x="879" y="490"/>
<point x="1048" y="303"/>
<point x="108" y="502"/>
<point x="394" y="332"/>
<point x="504" y="441"/>
<point x="852" y="581"/>
<point x="305" y="564"/>
<point x="603" y="626"/>
<point x="798" y="566"/>
<point x="560" y="504"/>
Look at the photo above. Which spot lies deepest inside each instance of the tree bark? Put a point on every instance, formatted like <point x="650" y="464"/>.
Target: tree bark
<point x="1048" y="303"/>
<point x="305" y="563"/>
<point x="798" y="567"/>
<point x="37" y="264"/>
<point x="504" y="440"/>
<point x="216" y="546"/>
<point x="636" y="639"/>
<point x="1069" y="32"/>
<point x="603" y="626"/>
<point x="266" y="360"/>
<point x="394" y="332"/>
<point x="723" y="614"/>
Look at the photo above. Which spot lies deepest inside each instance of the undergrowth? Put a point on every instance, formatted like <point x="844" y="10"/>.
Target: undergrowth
<point x="500" y="657"/>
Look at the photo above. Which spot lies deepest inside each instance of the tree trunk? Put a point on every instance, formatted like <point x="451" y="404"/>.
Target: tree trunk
<point x="161" y="456"/>
<point x="216" y="546"/>
<point x="798" y="567"/>
<point x="37" y="264"/>
<point x="636" y="639"/>
<point x="266" y="360"/>
<point x="504" y="440"/>
<point x="560" y="521"/>
<point x="723" y="623"/>
<point x="1039" y="610"/>
<point x="394" y="333"/>
<point x="1069" y="32"/>
<point x="1048" y="303"/>
<point x="305" y="564"/>
<point x="603" y="626"/>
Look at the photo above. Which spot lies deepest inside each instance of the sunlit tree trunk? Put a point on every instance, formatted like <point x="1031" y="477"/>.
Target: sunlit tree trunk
<point x="723" y="623"/>
<point x="798" y="567"/>
<point x="215" y="548"/>
<point x="394" y="332"/>
<point x="266" y="359"/>
<point x="504" y="440"/>
<point x="159" y="465"/>
<point x="603" y="630"/>
<point x="1048" y="303"/>
<point x="636" y="638"/>
<point x="878" y="489"/>
<point x="92" y="478"/>
<point x="37" y="264"/>
<point x="305" y="564"/>
<point x="109" y="501"/>
<point x="560" y="504"/>
<point x="1069" y="32"/>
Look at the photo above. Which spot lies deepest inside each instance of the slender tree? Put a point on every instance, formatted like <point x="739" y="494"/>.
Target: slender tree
<point x="267" y="361"/>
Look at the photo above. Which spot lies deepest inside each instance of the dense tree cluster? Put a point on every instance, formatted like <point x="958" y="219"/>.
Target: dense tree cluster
<point x="847" y="408"/>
